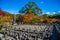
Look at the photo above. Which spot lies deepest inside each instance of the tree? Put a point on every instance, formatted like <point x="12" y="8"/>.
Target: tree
<point x="50" y="20"/>
<point x="9" y="14"/>
<point x="1" y="19"/>
<point x="19" y="18"/>
<point x="1" y="27"/>
<point x="54" y="16"/>
<point x="31" y="7"/>
<point x="45" y="15"/>
<point x="35" y="21"/>
<point x="6" y="20"/>
<point x="2" y="13"/>
<point x="27" y="18"/>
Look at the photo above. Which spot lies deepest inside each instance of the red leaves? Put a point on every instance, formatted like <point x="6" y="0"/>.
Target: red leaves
<point x="2" y="13"/>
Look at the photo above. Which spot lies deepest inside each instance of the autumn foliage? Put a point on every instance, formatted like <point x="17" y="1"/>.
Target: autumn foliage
<point x="2" y="13"/>
<point x="4" y="19"/>
<point x="50" y="20"/>
<point x="36" y="19"/>
<point x="27" y="18"/>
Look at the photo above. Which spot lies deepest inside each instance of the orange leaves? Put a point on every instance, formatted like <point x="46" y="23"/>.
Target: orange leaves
<point x="50" y="20"/>
<point x="27" y="18"/>
<point x="31" y="18"/>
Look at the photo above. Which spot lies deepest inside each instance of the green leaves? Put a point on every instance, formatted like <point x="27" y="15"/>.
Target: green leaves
<point x="31" y="7"/>
<point x="35" y="21"/>
<point x="54" y="16"/>
<point x="45" y="15"/>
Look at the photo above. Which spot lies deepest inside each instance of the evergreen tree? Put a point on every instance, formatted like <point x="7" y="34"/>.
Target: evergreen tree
<point x="32" y="8"/>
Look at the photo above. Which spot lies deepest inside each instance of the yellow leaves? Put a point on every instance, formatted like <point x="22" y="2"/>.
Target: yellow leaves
<point x="6" y="19"/>
<point x="1" y="20"/>
<point x="34" y="16"/>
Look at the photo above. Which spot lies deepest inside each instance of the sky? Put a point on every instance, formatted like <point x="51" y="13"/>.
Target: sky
<point x="13" y="6"/>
